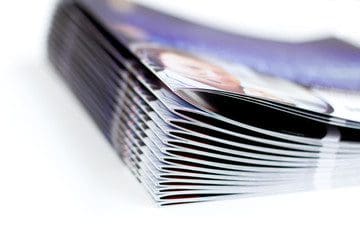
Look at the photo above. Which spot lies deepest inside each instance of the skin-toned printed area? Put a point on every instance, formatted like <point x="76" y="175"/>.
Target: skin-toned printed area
<point x="195" y="72"/>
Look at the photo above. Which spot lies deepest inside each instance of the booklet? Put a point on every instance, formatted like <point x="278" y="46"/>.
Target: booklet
<point x="200" y="114"/>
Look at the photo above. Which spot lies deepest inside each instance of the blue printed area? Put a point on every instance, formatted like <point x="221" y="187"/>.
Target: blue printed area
<point x="328" y="62"/>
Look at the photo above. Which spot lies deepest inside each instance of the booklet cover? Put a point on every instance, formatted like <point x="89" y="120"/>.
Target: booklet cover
<point x="200" y="114"/>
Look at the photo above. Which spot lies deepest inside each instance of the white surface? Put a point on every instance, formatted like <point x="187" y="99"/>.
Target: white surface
<point x="59" y="179"/>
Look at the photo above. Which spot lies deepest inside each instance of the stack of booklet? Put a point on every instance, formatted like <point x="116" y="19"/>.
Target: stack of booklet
<point x="199" y="114"/>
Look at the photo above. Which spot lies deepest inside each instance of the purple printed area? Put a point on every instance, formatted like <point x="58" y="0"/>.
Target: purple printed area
<point x="328" y="62"/>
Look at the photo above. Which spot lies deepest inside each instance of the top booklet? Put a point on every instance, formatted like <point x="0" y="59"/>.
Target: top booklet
<point x="318" y="80"/>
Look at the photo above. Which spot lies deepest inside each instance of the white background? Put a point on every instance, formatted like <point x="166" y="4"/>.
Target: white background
<point x="59" y="178"/>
